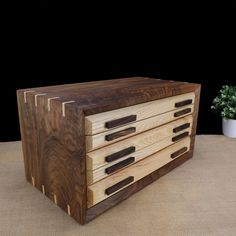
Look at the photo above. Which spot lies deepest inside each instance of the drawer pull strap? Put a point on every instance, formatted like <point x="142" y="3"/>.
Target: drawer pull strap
<point x="120" y="154"/>
<point x="179" y="152"/>
<point x="119" y="165"/>
<point x="119" y="134"/>
<point x="183" y="103"/>
<point x="121" y="121"/>
<point x="119" y="185"/>
<point x="181" y="127"/>
<point x="180" y="136"/>
<point x="182" y="112"/>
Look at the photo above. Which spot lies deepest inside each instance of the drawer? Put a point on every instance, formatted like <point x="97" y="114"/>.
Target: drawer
<point x="111" y="168"/>
<point x="105" y="121"/>
<point x="139" y="146"/>
<point x="106" y="138"/>
<point x="114" y="183"/>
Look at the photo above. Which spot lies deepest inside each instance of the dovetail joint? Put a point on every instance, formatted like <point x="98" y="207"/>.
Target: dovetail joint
<point x="63" y="107"/>
<point x="49" y="102"/>
<point x="36" y="96"/>
<point x="25" y="92"/>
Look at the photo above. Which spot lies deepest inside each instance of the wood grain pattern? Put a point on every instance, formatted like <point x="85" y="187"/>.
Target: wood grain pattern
<point x="98" y="140"/>
<point x="26" y="127"/>
<point x="125" y="193"/>
<point x="137" y="186"/>
<point x="46" y="135"/>
<point x="97" y="158"/>
<point x="53" y="152"/>
<point x="95" y="175"/>
<point x="101" y="96"/>
<point x="195" y="115"/>
<point x="94" y="124"/>
<point x="96" y="192"/>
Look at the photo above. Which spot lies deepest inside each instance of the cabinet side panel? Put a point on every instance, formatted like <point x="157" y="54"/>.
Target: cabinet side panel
<point x="57" y="152"/>
<point x="195" y="117"/>
<point x="62" y="156"/>
<point x="28" y="134"/>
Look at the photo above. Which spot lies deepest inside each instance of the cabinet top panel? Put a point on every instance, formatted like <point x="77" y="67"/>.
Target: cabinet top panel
<point x="105" y="95"/>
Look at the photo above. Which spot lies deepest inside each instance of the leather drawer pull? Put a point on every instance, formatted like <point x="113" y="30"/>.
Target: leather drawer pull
<point x="183" y="103"/>
<point x="179" y="152"/>
<point x="119" y="185"/>
<point x="181" y="127"/>
<point x="119" y="134"/>
<point x="119" y="165"/>
<point x="120" y="154"/>
<point x="182" y="112"/>
<point x="121" y="121"/>
<point x="180" y="136"/>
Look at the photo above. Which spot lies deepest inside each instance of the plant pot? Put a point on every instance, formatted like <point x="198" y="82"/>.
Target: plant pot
<point x="229" y="127"/>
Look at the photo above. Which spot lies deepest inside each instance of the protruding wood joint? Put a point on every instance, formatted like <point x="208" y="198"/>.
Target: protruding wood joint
<point x="25" y="93"/>
<point x="55" y="198"/>
<point x="36" y="96"/>
<point x="68" y="210"/>
<point x="33" y="181"/>
<point x="49" y="102"/>
<point x="63" y="107"/>
<point x="43" y="189"/>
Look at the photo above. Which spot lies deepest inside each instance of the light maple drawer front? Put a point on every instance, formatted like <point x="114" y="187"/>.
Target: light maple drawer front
<point x="94" y="176"/>
<point x="102" y="122"/>
<point x="114" y="183"/>
<point x="115" y="152"/>
<point x="106" y="138"/>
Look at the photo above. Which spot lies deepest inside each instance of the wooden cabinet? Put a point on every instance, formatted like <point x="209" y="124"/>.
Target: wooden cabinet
<point x="89" y="146"/>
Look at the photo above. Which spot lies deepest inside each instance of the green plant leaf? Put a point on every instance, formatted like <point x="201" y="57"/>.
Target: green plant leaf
<point x="225" y="103"/>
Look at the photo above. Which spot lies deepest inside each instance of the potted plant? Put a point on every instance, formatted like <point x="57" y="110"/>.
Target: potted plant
<point x="225" y="105"/>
